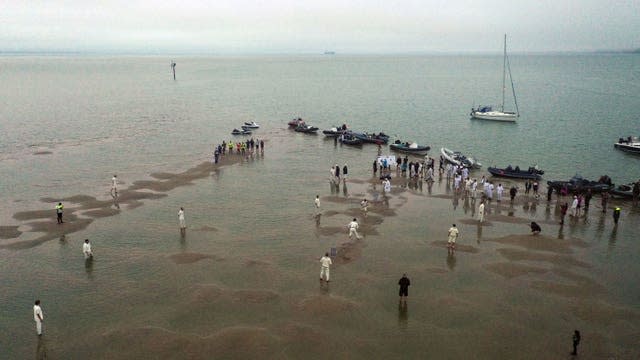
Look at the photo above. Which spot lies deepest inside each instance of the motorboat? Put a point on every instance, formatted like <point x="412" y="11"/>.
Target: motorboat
<point x="631" y="144"/>
<point x="624" y="191"/>
<point x="251" y="125"/>
<point x="409" y="147"/>
<point x="240" y="132"/>
<point x="296" y="122"/>
<point x="348" y="139"/>
<point x="533" y="173"/>
<point x="306" y="129"/>
<point x="456" y="158"/>
<point x="335" y="131"/>
<point x="487" y="112"/>
<point x="580" y="184"/>
<point x="374" y="138"/>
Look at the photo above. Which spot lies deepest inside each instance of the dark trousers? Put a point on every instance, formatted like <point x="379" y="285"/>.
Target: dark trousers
<point x="59" y="218"/>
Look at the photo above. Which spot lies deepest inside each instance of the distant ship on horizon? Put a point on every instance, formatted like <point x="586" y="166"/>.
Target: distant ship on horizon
<point x="329" y="52"/>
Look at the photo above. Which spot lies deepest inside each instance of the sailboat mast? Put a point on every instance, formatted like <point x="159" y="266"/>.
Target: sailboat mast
<point x="504" y="68"/>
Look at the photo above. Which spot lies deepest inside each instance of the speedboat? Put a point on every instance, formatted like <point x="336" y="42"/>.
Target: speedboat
<point x="335" y="131"/>
<point x="533" y="173"/>
<point x="348" y="139"/>
<point x="631" y="145"/>
<point x="251" y="125"/>
<point x="409" y="147"/>
<point x="624" y="191"/>
<point x="374" y="138"/>
<point x="580" y="184"/>
<point x="240" y="132"/>
<point x="306" y="129"/>
<point x="295" y="123"/>
<point x="456" y="158"/>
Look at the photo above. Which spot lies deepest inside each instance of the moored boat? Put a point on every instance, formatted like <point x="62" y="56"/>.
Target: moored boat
<point x="626" y="190"/>
<point x="251" y="125"/>
<point x="456" y="158"/>
<point x="409" y="147"/>
<point x="631" y="145"/>
<point x="580" y="184"/>
<point x="335" y="131"/>
<point x="240" y="132"/>
<point x="306" y="129"/>
<point x="374" y="138"/>
<point x="348" y="139"/>
<point x="296" y="122"/>
<point x="533" y="173"/>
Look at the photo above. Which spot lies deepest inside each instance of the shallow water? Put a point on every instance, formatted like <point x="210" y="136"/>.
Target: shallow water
<point x="246" y="284"/>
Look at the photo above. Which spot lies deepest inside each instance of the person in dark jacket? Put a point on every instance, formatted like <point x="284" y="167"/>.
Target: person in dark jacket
<point x="616" y="215"/>
<point x="404" y="287"/>
<point x="576" y="341"/>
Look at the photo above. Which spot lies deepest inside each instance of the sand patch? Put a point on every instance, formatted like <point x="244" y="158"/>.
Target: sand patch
<point x="42" y="153"/>
<point x="475" y="222"/>
<point x="190" y="258"/>
<point x="9" y="232"/>
<point x="99" y="213"/>
<point x="348" y="252"/>
<point x="508" y="219"/>
<point x="436" y="270"/>
<point x="255" y="296"/>
<point x="511" y="270"/>
<point x="603" y="314"/>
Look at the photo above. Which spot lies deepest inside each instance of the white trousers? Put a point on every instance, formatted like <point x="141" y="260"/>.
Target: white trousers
<point x="353" y="231"/>
<point x="324" y="273"/>
<point x="39" y="327"/>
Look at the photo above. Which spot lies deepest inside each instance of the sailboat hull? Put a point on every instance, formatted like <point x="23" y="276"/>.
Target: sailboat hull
<point x="495" y="116"/>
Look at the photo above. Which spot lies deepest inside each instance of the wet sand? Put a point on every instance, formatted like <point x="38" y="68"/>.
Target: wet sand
<point x="80" y="210"/>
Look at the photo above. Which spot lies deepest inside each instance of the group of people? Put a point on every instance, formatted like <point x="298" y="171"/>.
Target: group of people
<point x="335" y="176"/>
<point x="245" y="148"/>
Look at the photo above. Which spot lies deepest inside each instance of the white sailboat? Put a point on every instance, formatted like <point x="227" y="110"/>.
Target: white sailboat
<point x="485" y="112"/>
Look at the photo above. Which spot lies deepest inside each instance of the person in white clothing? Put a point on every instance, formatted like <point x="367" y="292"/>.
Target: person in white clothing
<point x="474" y="188"/>
<point x="38" y="317"/>
<point x="499" y="192"/>
<point x="183" y="223"/>
<point x="453" y="235"/>
<point x="324" y="270"/>
<point x="353" y="228"/>
<point x="387" y="185"/>
<point x="364" y="204"/>
<point x="86" y="249"/>
<point x="114" y="186"/>
<point x="481" y="212"/>
<point x="574" y="206"/>
<point x="317" y="204"/>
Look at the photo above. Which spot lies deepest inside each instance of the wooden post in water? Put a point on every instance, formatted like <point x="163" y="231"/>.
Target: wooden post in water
<point x="173" y="67"/>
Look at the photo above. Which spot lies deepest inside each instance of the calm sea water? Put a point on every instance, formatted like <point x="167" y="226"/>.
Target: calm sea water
<point x="96" y="116"/>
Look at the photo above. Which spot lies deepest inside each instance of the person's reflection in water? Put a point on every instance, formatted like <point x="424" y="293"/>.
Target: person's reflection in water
<point x="465" y="205"/>
<point x="63" y="239"/>
<point x="41" y="350"/>
<point x="430" y="186"/>
<point x="479" y="232"/>
<point x="88" y="267"/>
<point x="403" y="315"/>
<point x="561" y="233"/>
<point x="612" y="239"/>
<point x="451" y="260"/>
<point x="183" y="242"/>
<point x="116" y="204"/>
<point x="344" y="190"/>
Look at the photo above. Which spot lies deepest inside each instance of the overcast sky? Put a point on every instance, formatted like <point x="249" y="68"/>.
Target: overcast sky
<point x="344" y="26"/>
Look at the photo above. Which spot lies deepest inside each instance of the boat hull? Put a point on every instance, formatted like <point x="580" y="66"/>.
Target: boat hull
<point x="494" y="116"/>
<point x="420" y="150"/>
<point x="633" y="148"/>
<point x="458" y="159"/>
<point x="512" y="174"/>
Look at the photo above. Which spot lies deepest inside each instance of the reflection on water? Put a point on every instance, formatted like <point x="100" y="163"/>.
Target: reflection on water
<point x="41" y="349"/>
<point x="451" y="260"/>
<point x="479" y="232"/>
<point x="88" y="267"/>
<point x="403" y="315"/>
<point x="612" y="239"/>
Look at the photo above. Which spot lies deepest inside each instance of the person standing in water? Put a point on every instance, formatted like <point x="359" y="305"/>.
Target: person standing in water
<point x="616" y="215"/>
<point x="481" y="212"/>
<point x="181" y="220"/>
<point x="317" y="204"/>
<point x="38" y="317"/>
<point x="453" y="235"/>
<point x="325" y="261"/>
<point x="364" y="205"/>
<point x="86" y="249"/>
<point x="404" y="283"/>
<point x="345" y="172"/>
<point x="59" y="210"/>
<point x="114" y="186"/>
<point x="576" y="342"/>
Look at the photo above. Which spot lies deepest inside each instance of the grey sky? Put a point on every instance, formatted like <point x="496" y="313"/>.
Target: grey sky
<point x="288" y="26"/>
